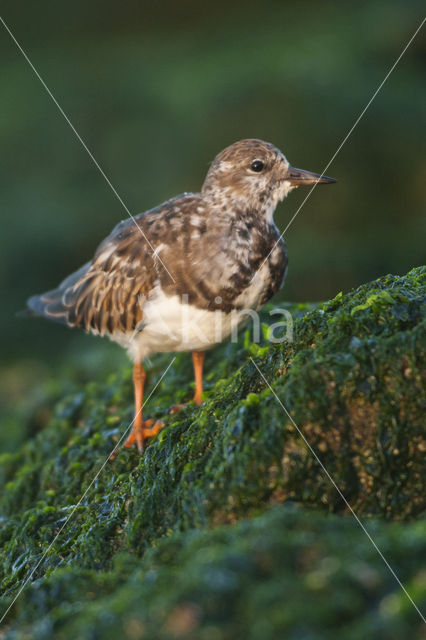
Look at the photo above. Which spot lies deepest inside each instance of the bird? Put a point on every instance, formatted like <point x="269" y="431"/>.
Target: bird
<point x="165" y="279"/>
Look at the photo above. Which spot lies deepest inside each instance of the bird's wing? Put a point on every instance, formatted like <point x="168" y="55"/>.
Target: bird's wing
<point x="105" y="295"/>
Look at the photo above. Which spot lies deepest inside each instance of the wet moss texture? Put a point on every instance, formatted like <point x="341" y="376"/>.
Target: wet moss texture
<point x="228" y="527"/>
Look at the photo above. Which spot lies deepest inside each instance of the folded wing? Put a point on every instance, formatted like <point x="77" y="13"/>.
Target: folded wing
<point x="106" y="295"/>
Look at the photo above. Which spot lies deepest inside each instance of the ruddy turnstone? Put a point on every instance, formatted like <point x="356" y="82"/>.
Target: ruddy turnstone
<point x="175" y="278"/>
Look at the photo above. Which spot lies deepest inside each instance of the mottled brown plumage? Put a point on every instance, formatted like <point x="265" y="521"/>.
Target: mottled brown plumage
<point x="215" y="251"/>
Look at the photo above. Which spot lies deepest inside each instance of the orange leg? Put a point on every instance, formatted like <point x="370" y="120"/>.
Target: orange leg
<point x="197" y="361"/>
<point x="140" y="429"/>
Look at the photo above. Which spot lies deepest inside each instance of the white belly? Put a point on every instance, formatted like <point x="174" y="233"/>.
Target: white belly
<point x="173" y="326"/>
<point x="170" y="324"/>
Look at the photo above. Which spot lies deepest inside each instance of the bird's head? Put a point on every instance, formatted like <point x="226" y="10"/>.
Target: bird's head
<point x="253" y="174"/>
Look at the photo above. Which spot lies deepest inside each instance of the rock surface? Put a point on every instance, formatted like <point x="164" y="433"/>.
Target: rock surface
<point x="229" y="527"/>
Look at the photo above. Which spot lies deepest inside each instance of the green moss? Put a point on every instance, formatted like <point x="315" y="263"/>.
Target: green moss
<point x="352" y="381"/>
<point x="283" y="572"/>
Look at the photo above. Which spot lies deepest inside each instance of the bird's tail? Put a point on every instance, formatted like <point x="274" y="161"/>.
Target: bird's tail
<point x="25" y="313"/>
<point x="52" y="305"/>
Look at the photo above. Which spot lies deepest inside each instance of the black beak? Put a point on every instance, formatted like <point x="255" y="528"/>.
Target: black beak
<point x="297" y="177"/>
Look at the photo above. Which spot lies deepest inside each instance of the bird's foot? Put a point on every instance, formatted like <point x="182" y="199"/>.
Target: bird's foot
<point x="139" y="435"/>
<point x="175" y="408"/>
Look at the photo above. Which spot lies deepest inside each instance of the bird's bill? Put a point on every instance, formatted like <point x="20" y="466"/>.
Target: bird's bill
<point x="298" y="177"/>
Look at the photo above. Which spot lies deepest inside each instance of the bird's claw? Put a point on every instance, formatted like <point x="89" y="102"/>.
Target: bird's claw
<point x="139" y="434"/>
<point x="175" y="408"/>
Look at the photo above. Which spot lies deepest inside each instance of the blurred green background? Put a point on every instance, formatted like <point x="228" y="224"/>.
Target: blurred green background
<point x="156" y="90"/>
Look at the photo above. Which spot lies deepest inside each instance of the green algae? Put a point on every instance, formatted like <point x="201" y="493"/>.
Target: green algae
<point x="353" y="381"/>
<point x="282" y="572"/>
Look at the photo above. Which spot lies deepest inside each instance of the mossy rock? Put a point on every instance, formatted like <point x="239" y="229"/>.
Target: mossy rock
<point x="352" y="381"/>
<point x="287" y="573"/>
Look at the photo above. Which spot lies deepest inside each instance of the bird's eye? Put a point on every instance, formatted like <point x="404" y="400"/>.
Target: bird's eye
<point x="257" y="165"/>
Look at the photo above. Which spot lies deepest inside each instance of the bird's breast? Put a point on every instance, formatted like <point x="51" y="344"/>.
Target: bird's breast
<point x="262" y="267"/>
<point x="231" y="267"/>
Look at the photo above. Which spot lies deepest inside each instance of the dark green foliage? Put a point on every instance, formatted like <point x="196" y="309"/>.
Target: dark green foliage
<point x="352" y="382"/>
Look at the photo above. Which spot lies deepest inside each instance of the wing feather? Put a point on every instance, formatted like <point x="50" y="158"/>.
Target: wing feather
<point x="103" y="296"/>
